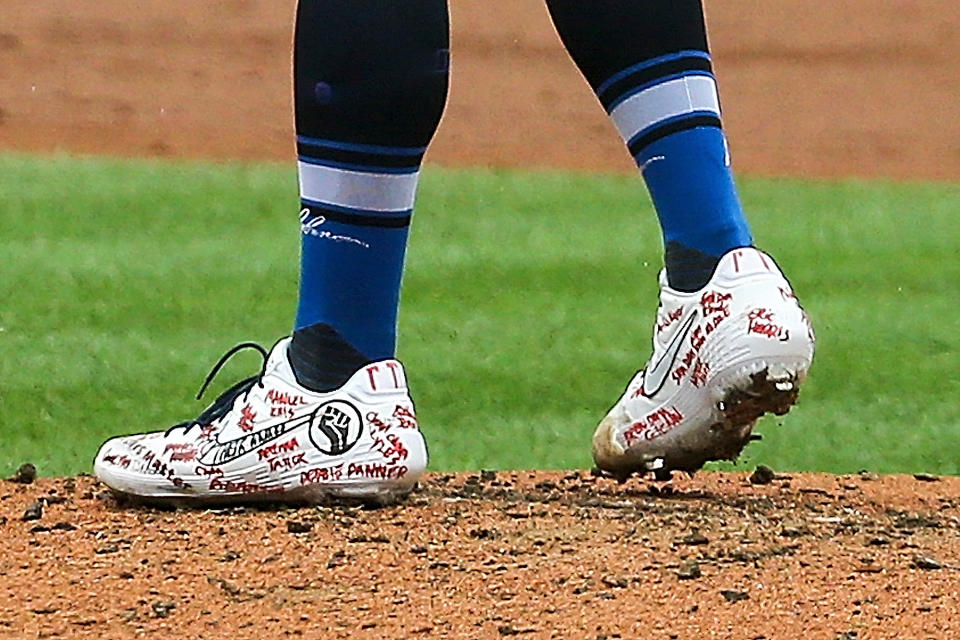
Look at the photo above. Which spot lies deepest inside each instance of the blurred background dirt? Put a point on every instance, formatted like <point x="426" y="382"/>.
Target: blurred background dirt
<point x="809" y="87"/>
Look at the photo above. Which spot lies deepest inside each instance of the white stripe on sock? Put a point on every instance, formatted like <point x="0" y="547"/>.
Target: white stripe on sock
<point x="663" y="101"/>
<point x="356" y="189"/>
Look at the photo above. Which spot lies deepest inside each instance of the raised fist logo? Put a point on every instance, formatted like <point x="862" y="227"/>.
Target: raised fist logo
<point x="335" y="427"/>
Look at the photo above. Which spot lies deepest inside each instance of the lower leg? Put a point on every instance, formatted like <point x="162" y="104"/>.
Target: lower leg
<point x="370" y="83"/>
<point x="649" y="64"/>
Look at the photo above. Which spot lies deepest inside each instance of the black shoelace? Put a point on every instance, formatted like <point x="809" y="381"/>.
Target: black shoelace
<point x="222" y="405"/>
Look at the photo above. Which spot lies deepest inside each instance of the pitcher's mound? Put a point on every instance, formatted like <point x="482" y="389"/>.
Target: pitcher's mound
<point x="538" y="555"/>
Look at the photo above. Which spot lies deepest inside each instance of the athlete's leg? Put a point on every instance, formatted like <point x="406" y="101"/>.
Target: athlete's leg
<point x="329" y="414"/>
<point x="370" y="81"/>
<point x="648" y="62"/>
<point x="730" y="342"/>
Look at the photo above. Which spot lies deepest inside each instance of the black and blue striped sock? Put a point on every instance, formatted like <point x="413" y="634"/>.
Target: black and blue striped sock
<point x="370" y="83"/>
<point x="649" y="64"/>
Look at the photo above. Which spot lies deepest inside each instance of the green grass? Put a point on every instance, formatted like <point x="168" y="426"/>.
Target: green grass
<point x="528" y="304"/>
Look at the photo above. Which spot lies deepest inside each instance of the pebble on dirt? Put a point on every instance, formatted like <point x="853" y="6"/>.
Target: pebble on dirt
<point x="33" y="512"/>
<point x="26" y="474"/>
<point x="510" y="630"/>
<point x="762" y="475"/>
<point x="690" y="571"/>
<point x="926" y="562"/>
<point x="695" y="539"/>
<point x="734" y="596"/>
<point x="926" y="477"/>
<point x="297" y="526"/>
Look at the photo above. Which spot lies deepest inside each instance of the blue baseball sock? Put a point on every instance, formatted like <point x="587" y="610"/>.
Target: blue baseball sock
<point x="692" y="187"/>
<point x="649" y="65"/>
<point x="370" y="82"/>
<point x="354" y="225"/>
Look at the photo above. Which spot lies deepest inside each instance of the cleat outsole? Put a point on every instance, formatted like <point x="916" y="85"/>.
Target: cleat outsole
<point x="744" y="406"/>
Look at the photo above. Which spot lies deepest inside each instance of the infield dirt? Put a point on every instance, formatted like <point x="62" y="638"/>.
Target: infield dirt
<point x="809" y="88"/>
<point x="538" y="555"/>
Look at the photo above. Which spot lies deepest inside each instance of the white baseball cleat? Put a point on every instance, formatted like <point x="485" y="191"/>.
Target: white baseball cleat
<point x="722" y="357"/>
<point x="268" y="439"/>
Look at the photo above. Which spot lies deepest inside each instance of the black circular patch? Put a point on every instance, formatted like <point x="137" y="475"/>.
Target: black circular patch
<point x="335" y="427"/>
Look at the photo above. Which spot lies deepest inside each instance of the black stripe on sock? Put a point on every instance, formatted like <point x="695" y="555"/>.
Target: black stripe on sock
<point x="387" y="221"/>
<point x="628" y="83"/>
<point x="362" y="158"/>
<point x="675" y="126"/>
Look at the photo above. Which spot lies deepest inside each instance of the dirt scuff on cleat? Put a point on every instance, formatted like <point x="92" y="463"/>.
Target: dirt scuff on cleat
<point x="763" y="395"/>
<point x="510" y="554"/>
<point x="742" y="408"/>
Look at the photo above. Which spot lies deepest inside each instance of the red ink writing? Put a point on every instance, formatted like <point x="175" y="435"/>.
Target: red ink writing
<point x="653" y="425"/>
<point x="277" y="448"/>
<point x="246" y="418"/>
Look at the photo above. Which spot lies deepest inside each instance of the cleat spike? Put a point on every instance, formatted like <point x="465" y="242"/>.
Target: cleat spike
<point x="655" y="464"/>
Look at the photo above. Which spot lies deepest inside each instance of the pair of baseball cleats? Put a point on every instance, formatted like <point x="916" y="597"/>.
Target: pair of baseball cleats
<point x="723" y="356"/>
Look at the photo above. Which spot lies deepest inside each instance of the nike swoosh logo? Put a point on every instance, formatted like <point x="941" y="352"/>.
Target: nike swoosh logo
<point x="655" y="377"/>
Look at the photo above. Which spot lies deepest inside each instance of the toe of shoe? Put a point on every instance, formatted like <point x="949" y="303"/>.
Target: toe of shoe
<point x="108" y="463"/>
<point x="101" y="468"/>
<point x="605" y="448"/>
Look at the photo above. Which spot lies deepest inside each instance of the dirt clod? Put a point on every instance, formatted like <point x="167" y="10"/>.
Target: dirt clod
<point x="33" y="512"/>
<point x="44" y="611"/>
<point x="926" y="563"/>
<point x="299" y="526"/>
<point x="26" y="474"/>
<point x="689" y="571"/>
<point x="226" y="586"/>
<point x="695" y="539"/>
<point x="731" y="595"/>
<point x="615" y="582"/>
<point x="762" y="475"/>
